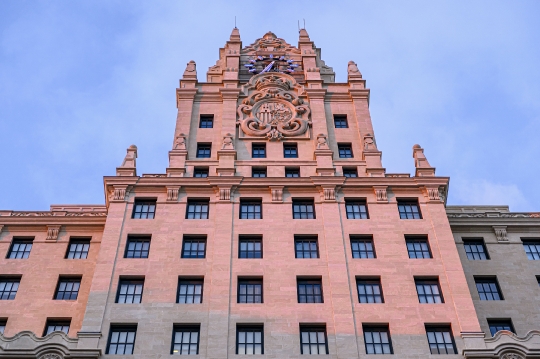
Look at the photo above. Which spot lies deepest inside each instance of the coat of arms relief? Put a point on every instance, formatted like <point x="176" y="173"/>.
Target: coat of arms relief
<point x="273" y="110"/>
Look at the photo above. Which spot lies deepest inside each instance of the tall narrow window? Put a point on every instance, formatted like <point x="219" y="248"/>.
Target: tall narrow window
<point x="290" y="150"/>
<point x="418" y="248"/>
<point x="350" y="172"/>
<point x="67" y="288"/>
<point x="362" y="247"/>
<point x="409" y="209"/>
<point x="292" y="172"/>
<point x="121" y="340"/>
<point x="57" y="326"/>
<point x="249" y="339"/>
<point x="250" y="290"/>
<point x="258" y="150"/>
<point x="313" y="340"/>
<point x="130" y="291"/>
<point x="310" y="291"/>
<point x="200" y="172"/>
<point x="78" y="249"/>
<point x="428" y="290"/>
<point x="3" y="323"/>
<point x="377" y="339"/>
<point x="306" y="247"/>
<point x="204" y="150"/>
<point x="258" y="172"/>
<point x="206" y="121"/>
<point x="197" y="209"/>
<point x="190" y="290"/>
<point x="144" y="209"/>
<point x="137" y="247"/>
<point x="250" y="209"/>
<point x="303" y="209"/>
<point x="532" y="249"/>
<point x="500" y="324"/>
<point x="340" y="121"/>
<point x="20" y="248"/>
<point x="440" y="340"/>
<point x="250" y="247"/>
<point x="345" y="150"/>
<point x="356" y="209"/>
<point x="475" y="249"/>
<point x="488" y="288"/>
<point x="194" y="247"/>
<point x="369" y="290"/>
<point x="186" y="340"/>
<point x="9" y="287"/>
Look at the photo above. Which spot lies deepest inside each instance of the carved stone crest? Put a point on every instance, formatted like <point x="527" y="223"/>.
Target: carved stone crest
<point x="273" y="110"/>
<point x="50" y="356"/>
<point x="512" y="356"/>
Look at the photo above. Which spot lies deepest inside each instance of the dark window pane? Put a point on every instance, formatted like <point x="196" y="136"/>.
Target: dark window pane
<point x="78" y="249"/>
<point x="57" y="326"/>
<point x="8" y="288"/>
<point x="137" y="247"/>
<point x="204" y="150"/>
<point x="197" y="209"/>
<point x="362" y="248"/>
<point x="250" y="291"/>
<point x="475" y="250"/>
<point x="440" y="340"/>
<point x="121" y="340"/>
<point x="310" y="291"/>
<point x="377" y="340"/>
<point x="20" y="248"/>
<point x="290" y="150"/>
<point x="350" y="172"/>
<point x="409" y="210"/>
<point x="306" y="248"/>
<point x="429" y="291"/>
<point x="194" y="248"/>
<point x="532" y="249"/>
<point x="250" y="248"/>
<point x="340" y="121"/>
<point x="313" y="340"/>
<point x="500" y="324"/>
<point x="258" y="172"/>
<point x="418" y="248"/>
<point x="356" y="210"/>
<point x="249" y="340"/>
<point x="258" y="150"/>
<point x="250" y="209"/>
<point x="206" y="121"/>
<point x="2" y="326"/>
<point x="345" y="151"/>
<point x="186" y="340"/>
<point x="190" y="291"/>
<point x="292" y="172"/>
<point x="488" y="289"/>
<point x="68" y="289"/>
<point x="303" y="210"/>
<point x="144" y="209"/>
<point x="200" y="172"/>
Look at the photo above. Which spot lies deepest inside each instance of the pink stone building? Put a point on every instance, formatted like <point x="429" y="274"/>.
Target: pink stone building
<point x="275" y="232"/>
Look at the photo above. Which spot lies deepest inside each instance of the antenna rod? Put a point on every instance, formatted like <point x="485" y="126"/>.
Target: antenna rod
<point x="298" y="25"/>
<point x="235" y="21"/>
<point x="304" y="24"/>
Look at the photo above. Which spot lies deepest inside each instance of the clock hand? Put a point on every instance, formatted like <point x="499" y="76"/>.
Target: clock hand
<point x="267" y="68"/>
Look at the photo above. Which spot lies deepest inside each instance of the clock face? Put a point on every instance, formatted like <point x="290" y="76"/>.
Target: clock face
<point x="271" y="63"/>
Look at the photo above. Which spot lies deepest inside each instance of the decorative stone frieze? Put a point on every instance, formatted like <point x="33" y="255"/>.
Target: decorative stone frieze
<point x="277" y="193"/>
<point x="380" y="193"/>
<point x="172" y="193"/>
<point x="52" y="232"/>
<point x="500" y="233"/>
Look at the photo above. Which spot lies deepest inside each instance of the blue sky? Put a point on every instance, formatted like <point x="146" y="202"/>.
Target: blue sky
<point x="80" y="81"/>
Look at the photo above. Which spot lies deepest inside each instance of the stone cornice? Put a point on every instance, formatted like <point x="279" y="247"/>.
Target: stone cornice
<point x="504" y="344"/>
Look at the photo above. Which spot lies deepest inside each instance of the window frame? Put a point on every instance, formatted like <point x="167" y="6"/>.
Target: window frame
<point x="10" y="279"/>
<point x="290" y="150"/>
<point x="137" y="239"/>
<point x="204" y="150"/>
<point x="76" y="242"/>
<point x="345" y="150"/>
<point x="411" y="239"/>
<point x="341" y="119"/>
<point x="135" y="281"/>
<point x="356" y="202"/>
<point x="359" y="239"/>
<point x="191" y="239"/>
<point x="201" y="172"/>
<point x="377" y="328"/>
<point x="67" y="279"/>
<point x="348" y="171"/>
<point x="306" y="239"/>
<point x="144" y="202"/>
<point x="440" y="328"/>
<point x="309" y="281"/>
<point x="120" y="328"/>
<point x="184" y="328"/>
<point x="259" y="171"/>
<point x="292" y="172"/>
<point x="205" y="119"/>
<point x="408" y="202"/>
<point x="19" y="241"/>
<point x="310" y="328"/>
<point x="247" y="239"/>
<point x="527" y="242"/>
<point x="488" y="280"/>
<point x="249" y="281"/>
<point x="468" y="242"/>
<point x="66" y="322"/>
<point x="431" y="281"/>
<point x="3" y="324"/>
<point x="249" y="328"/>
<point x="195" y="281"/>
<point x="198" y="202"/>
<point x="250" y="202"/>
<point x="303" y="202"/>
<point x="256" y="148"/>
<point x="499" y="323"/>
<point x="369" y="281"/>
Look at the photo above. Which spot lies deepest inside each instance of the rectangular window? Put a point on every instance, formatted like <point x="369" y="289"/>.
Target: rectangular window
<point x="130" y="291"/>
<point x="356" y="209"/>
<point x="258" y="150"/>
<point x="144" y="209"/>
<point x="186" y="340"/>
<point x="340" y="121"/>
<point x="350" y="172"/>
<point x="488" y="288"/>
<point x="57" y="326"/>
<point x="313" y="340"/>
<point x="3" y="323"/>
<point x="429" y="291"/>
<point x="67" y="288"/>
<point x="292" y="172"/>
<point x="475" y="249"/>
<point x="250" y="209"/>
<point x="418" y="248"/>
<point x="377" y="339"/>
<point x="310" y="291"/>
<point x="78" y="249"/>
<point x="290" y="150"/>
<point x="250" y="248"/>
<point x="20" y="248"/>
<point x="190" y="290"/>
<point x="204" y="150"/>
<point x="137" y="247"/>
<point x="440" y="340"/>
<point x="345" y="150"/>
<point x="197" y="209"/>
<point x="206" y="121"/>
<point x="532" y="249"/>
<point x="303" y="209"/>
<point x="369" y="290"/>
<point x="500" y="324"/>
<point x="306" y="247"/>
<point x="250" y="290"/>
<point x="408" y="209"/>
<point x="362" y="247"/>
<point x="121" y="340"/>
<point x="194" y="248"/>
<point x="9" y="287"/>
<point x="249" y="339"/>
<point x="258" y="172"/>
<point x="200" y="172"/>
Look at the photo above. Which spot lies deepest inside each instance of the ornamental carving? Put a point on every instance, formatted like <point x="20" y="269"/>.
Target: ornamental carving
<point x="50" y="356"/>
<point x="512" y="356"/>
<point x="500" y="233"/>
<point x="380" y="193"/>
<point x="52" y="232"/>
<point x="273" y="110"/>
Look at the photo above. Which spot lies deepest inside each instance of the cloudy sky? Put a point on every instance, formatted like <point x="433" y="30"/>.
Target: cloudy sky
<point x="80" y="81"/>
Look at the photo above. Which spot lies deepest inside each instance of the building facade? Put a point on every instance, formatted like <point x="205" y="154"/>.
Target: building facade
<point x="275" y="231"/>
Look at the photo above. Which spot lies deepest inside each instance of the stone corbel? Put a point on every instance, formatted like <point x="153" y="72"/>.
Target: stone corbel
<point x="500" y="233"/>
<point x="1" y="228"/>
<point x="381" y="194"/>
<point x="119" y="193"/>
<point x="432" y="193"/>
<point x="172" y="193"/>
<point x="328" y="193"/>
<point x="52" y="232"/>
<point x="277" y="193"/>
<point x="223" y="193"/>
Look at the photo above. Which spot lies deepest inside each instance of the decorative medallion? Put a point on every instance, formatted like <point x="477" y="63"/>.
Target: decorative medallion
<point x="273" y="110"/>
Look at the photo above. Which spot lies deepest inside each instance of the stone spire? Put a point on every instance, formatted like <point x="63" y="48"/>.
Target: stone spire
<point x="304" y="37"/>
<point x="423" y="168"/>
<point x="129" y="165"/>
<point x="235" y="35"/>
<point x="190" y="73"/>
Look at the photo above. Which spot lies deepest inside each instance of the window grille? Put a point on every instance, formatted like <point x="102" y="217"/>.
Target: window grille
<point x="137" y="247"/>
<point x="78" y="249"/>
<point x="197" y="209"/>
<point x="313" y="340"/>
<point x="303" y="209"/>
<point x="306" y="248"/>
<point x="409" y="210"/>
<point x="8" y="288"/>
<point x="249" y="340"/>
<point x="121" y="340"/>
<point x="130" y="291"/>
<point x="144" y="209"/>
<point x="428" y="291"/>
<point x="310" y="291"/>
<point x="194" y="248"/>
<point x="20" y="249"/>
<point x="440" y="340"/>
<point x="186" y="340"/>
<point x="356" y="209"/>
<point x="377" y="339"/>
<point x="250" y="209"/>
<point x="488" y="289"/>
<point x="250" y="248"/>
<point x="68" y="289"/>
<point x="369" y="291"/>
<point x="250" y="291"/>
<point x="190" y="291"/>
<point x="362" y="248"/>
<point x="418" y="248"/>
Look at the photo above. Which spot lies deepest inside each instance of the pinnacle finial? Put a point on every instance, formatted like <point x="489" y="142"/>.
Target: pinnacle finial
<point x="190" y="73"/>
<point x="235" y="35"/>
<point x="423" y="168"/>
<point x="304" y="36"/>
